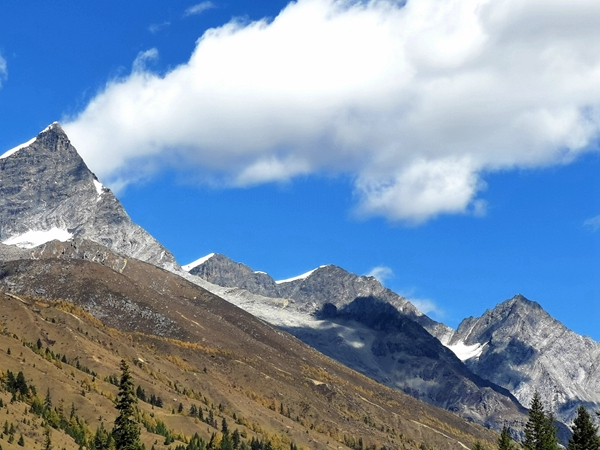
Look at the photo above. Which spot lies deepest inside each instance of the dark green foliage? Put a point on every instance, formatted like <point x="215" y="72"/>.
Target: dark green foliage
<point x="224" y="427"/>
<point x="102" y="439"/>
<point x="180" y="408"/>
<point x="140" y="393"/>
<point x="236" y="439"/>
<point x="126" y="431"/>
<point x="585" y="435"/>
<point x="540" y="432"/>
<point x="47" y="438"/>
<point x="504" y="441"/>
<point x="21" y="441"/>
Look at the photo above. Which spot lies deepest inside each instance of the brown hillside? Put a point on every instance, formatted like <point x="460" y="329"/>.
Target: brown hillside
<point x="190" y="347"/>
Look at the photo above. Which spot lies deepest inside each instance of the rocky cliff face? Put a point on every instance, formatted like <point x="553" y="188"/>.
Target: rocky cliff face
<point x="356" y="321"/>
<point x="522" y="348"/>
<point x="47" y="192"/>
<point x="309" y="292"/>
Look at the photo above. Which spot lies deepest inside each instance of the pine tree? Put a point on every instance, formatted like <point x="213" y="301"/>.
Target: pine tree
<point x="478" y="446"/>
<point x="126" y="431"/>
<point x="585" y="435"/>
<point x="540" y="432"/>
<point x="47" y="438"/>
<point x="504" y="441"/>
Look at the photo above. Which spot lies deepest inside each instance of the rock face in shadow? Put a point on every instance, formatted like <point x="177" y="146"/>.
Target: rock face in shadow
<point x="525" y="350"/>
<point x="46" y="186"/>
<point x="369" y="328"/>
<point x="309" y="292"/>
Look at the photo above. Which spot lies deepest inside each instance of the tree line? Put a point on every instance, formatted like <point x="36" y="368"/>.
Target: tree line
<point x="540" y="431"/>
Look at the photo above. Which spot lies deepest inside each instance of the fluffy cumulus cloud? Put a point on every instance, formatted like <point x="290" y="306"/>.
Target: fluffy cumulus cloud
<point x="414" y="101"/>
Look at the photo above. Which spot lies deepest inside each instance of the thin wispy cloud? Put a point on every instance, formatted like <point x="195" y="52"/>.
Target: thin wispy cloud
<point x="415" y="102"/>
<point x="592" y="224"/>
<point x="3" y="70"/>
<point x="198" y="9"/>
<point x="156" y="27"/>
<point x="381" y="273"/>
<point x="142" y="59"/>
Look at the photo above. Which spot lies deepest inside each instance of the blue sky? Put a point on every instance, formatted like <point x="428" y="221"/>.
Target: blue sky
<point x="452" y="145"/>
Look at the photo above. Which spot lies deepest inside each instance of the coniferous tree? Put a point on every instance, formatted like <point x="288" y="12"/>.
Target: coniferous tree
<point x="47" y="438"/>
<point x="477" y="446"/>
<point x="504" y="441"/>
<point x="540" y="433"/>
<point x="585" y="435"/>
<point x="126" y="431"/>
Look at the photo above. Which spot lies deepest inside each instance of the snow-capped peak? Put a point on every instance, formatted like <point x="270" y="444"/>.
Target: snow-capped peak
<point x="33" y="238"/>
<point x="196" y="263"/>
<point x="304" y="276"/>
<point x="14" y="150"/>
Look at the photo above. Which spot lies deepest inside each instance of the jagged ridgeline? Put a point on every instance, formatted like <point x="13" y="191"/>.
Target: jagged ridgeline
<point x="210" y="373"/>
<point x="47" y="192"/>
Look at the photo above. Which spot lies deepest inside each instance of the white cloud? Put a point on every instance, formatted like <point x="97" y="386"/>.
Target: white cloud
<point x="428" y="307"/>
<point x="3" y="70"/>
<point x="415" y="102"/>
<point x="198" y="8"/>
<point x="139" y="64"/>
<point x="156" y="27"/>
<point x="592" y="224"/>
<point x="381" y="273"/>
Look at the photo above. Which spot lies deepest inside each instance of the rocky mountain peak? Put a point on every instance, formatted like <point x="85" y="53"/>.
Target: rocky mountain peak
<point x="47" y="192"/>
<point x="522" y="348"/>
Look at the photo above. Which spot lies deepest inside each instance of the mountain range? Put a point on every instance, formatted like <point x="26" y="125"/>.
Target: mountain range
<point x="66" y="237"/>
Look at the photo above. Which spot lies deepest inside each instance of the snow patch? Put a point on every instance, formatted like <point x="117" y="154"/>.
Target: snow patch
<point x="99" y="189"/>
<point x="14" y="150"/>
<point x="464" y="352"/>
<point x="33" y="238"/>
<point x="196" y="263"/>
<point x="304" y="276"/>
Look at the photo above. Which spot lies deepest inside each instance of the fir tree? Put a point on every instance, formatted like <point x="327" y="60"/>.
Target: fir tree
<point x="478" y="446"/>
<point x="47" y="438"/>
<point x="224" y="427"/>
<point x="540" y="433"/>
<point x="504" y="441"/>
<point x="584" y="432"/>
<point x="126" y="431"/>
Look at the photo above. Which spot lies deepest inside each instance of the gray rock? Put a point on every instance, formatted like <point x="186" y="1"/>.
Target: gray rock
<point x="369" y="328"/>
<point x="526" y="350"/>
<point x="46" y="185"/>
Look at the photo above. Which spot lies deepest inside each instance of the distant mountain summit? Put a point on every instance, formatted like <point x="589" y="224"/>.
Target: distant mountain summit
<point x="309" y="291"/>
<point x="519" y="346"/>
<point x="48" y="193"/>
<point x="360" y="323"/>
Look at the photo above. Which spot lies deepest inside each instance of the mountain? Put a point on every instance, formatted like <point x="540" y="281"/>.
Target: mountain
<point x="88" y="307"/>
<point x="47" y="192"/>
<point x="519" y="346"/>
<point x="309" y="291"/>
<point x="369" y="328"/>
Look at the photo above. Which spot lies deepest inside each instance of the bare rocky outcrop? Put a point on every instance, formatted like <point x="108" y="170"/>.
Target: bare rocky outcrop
<point x="45" y="186"/>
<point x="525" y="350"/>
<point x="369" y="328"/>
